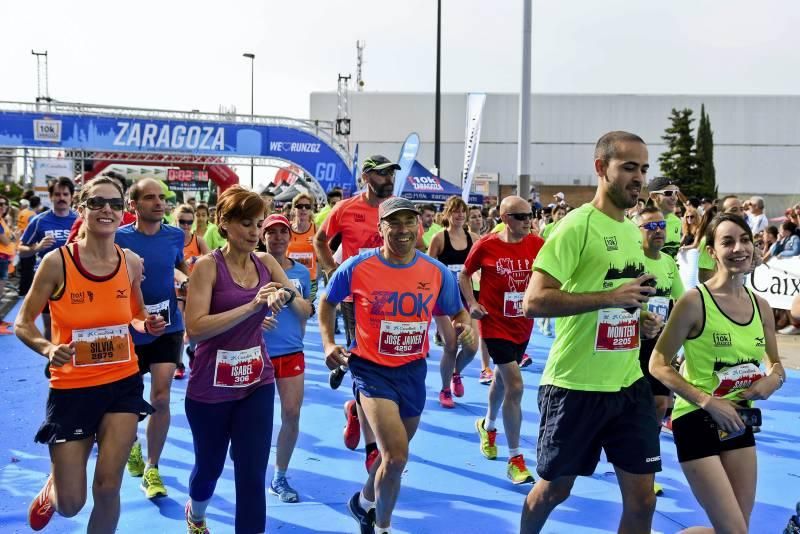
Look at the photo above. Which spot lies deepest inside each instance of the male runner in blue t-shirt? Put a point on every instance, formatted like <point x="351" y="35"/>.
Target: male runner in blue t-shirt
<point x="50" y="229"/>
<point x="161" y="248"/>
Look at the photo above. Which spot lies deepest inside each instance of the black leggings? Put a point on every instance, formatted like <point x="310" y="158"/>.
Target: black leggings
<point x="246" y="425"/>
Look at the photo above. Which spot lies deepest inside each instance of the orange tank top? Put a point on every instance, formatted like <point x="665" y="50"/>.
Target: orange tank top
<point x="301" y="249"/>
<point x="10" y="249"/>
<point x="94" y="312"/>
<point x="191" y="252"/>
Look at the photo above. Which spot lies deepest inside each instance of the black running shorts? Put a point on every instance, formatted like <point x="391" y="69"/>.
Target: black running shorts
<point x="74" y="414"/>
<point x="165" y="348"/>
<point x="696" y="437"/>
<point x="576" y="425"/>
<point x="504" y="351"/>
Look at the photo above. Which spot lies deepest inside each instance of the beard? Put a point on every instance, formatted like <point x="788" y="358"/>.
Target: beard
<point x="620" y="197"/>
<point x="382" y="191"/>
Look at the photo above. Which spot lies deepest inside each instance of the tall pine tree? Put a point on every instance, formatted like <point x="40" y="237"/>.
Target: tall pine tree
<point x="679" y="162"/>
<point x="704" y="151"/>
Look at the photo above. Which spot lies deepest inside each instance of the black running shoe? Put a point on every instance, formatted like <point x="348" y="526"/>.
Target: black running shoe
<point x="366" y="520"/>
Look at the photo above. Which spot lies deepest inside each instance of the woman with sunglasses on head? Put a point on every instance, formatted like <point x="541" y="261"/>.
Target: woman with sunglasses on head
<point x="689" y="226"/>
<point x="229" y="398"/>
<point x="451" y="246"/>
<point x="93" y="288"/>
<point x="194" y="246"/>
<point x="726" y="332"/>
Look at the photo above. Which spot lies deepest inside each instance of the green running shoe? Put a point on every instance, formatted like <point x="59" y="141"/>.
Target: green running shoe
<point x="488" y="437"/>
<point x="152" y="486"/>
<point x="135" y="461"/>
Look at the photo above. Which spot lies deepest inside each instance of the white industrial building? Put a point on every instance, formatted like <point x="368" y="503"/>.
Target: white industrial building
<point x="756" y="138"/>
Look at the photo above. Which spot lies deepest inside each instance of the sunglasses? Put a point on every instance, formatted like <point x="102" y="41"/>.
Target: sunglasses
<point x="389" y="171"/>
<point x="98" y="203"/>
<point x="185" y="222"/>
<point x="302" y="206"/>
<point x="521" y="216"/>
<point x="668" y="192"/>
<point x="690" y="217"/>
<point x="3" y="203"/>
<point x="659" y="225"/>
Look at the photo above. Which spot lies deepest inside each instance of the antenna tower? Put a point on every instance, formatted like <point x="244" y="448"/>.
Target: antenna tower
<point x="360" y="45"/>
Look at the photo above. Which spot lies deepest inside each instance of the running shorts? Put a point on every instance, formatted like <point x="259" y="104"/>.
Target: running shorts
<point x="289" y="365"/>
<point x="404" y="385"/>
<point x="166" y="348"/>
<point x="504" y="351"/>
<point x="696" y="437"/>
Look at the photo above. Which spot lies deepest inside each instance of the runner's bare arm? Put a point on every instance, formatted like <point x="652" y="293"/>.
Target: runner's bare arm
<point x="300" y="305"/>
<point x="462" y="322"/>
<point x="323" y="251"/>
<point x="335" y="355"/>
<point x="203" y="246"/>
<point x="437" y="244"/>
<point x="142" y="322"/>
<point x="686" y="320"/>
<point x="544" y="297"/>
<point x="48" y="279"/>
<point x="199" y="324"/>
<point x="776" y="375"/>
<point x="465" y="285"/>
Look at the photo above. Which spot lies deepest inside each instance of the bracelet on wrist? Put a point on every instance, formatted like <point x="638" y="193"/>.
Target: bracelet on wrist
<point x="292" y="296"/>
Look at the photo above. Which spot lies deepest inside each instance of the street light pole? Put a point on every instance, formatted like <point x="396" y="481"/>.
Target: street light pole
<point x="252" y="58"/>
<point x="438" y="112"/>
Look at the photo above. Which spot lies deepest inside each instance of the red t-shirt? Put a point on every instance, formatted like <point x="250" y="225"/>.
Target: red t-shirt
<point x="357" y="222"/>
<point x="505" y="271"/>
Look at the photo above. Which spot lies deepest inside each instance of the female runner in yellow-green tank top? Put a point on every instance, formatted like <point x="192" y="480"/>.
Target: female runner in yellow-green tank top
<point x="726" y="331"/>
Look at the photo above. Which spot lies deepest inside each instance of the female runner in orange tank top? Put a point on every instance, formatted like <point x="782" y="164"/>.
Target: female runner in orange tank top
<point x="93" y="288"/>
<point x="194" y="246"/>
<point x="301" y="246"/>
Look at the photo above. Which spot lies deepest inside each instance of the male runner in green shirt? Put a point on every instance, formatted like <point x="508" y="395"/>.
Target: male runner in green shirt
<point x="592" y="395"/>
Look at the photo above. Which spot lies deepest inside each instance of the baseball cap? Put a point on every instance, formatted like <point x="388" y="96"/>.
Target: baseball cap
<point x="378" y="163"/>
<point x="559" y="195"/>
<point x="395" y="204"/>
<point x="274" y="219"/>
<point x="659" y="183"/>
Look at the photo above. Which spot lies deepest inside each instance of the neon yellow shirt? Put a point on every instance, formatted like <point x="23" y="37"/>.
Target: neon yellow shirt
<point x="590" y="252"/>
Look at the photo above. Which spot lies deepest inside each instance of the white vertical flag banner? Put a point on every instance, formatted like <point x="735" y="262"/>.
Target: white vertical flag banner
<point x="475" y="103"/>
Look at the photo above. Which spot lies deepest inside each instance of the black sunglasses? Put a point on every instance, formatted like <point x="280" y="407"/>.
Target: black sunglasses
<point x="185" y="222"/>
<point x="302" y="206"/>
<point x="521" y="216"/>
<point x="98" y="203"/>
<point x="388" y="171"/>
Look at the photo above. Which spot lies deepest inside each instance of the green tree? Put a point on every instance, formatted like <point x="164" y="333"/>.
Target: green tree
<point x="704" y="151"/>
<point x="679" y="161"/>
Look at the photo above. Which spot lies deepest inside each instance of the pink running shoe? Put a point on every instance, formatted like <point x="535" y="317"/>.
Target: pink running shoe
<point x="456" y="385"/>
<point x="446" y="399"/>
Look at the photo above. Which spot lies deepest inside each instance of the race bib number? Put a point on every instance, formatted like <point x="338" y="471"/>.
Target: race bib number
<point x="305" y="258"/>
<point x="659" y="306"/>
<point x="455" y="268"/>
<point x="101" y="346"/>
<point x="238" y="368"/>
<point x="512" y="303"/>
<point x="162" y="309"/>
<point x="736" y="378"/>
<point x="402" y="339"/>
<point x="617" y="330"/>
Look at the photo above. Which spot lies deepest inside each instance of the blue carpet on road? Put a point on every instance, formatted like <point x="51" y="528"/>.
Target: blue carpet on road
<point x="448" y="486"/>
